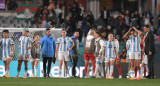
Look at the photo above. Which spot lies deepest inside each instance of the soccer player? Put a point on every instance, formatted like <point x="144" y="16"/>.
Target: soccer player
<point x="7" y="51"/>
<point x="109" y="54"/>
<point x="117" y="60"/>
<point x="89" y="50"/>
<point x="143" y="57"/>
<point x="135" y="51"/>
<point x="63" y="51"/>
<point x="74" y="52"/>
<point x="98" y="53"/>
<point x="35" y="55"/>
<point x="24" y="51"/>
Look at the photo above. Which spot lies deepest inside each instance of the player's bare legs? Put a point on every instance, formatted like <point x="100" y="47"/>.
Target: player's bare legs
<point x="32" y="65"/>
<point x="60" y="67"/>
<point x="36" y="67"/>
<point x="66" y="68"/>
<point x="19" y="67"/>
<point x="111" y="68"/>
<point x="138" y="68"/>
<point x="107" y="69"/>
<point x="86" y="67"/>
<point x="132" y="69"/>
<point x="26" y="68"/>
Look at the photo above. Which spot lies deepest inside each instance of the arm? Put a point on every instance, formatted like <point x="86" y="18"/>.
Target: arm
<point x="115" y="50"/>
<point x="54" y="45"/>
<point x="41" y="42"/>
<point x="12" y="49"/>
<point x="103" y="52"/>
<point x="126" y="35"/>
<point x="71" y="46"/>
<point x="139" y="32"/>
<point x="57" y="47"/>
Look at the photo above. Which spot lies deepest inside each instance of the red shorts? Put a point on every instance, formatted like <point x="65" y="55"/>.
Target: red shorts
<point x="89" y="56"/>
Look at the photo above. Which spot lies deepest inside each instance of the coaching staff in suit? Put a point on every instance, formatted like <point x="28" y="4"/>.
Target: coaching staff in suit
<point x="149" y="50"/>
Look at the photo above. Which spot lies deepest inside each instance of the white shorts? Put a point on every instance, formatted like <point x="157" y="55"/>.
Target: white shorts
<point x="5" y="58"/>
<point x="32" y="59"/>
<point x="99" y="59"/>
<point x="109" y="59"/>
<point x="135" y="55"/>
<point x="63" y="55"/>
<point x="145" y="59"/>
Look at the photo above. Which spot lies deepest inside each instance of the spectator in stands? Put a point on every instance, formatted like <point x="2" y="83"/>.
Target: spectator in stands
<point x="75" y="11"/>
<point x="39" y="14"/>
<point x="62" y="15"/>
<point x="58" y="10"/>
<point x="123" y="55"/>
<point x="137" y="18"/>
<point x="12" y="5"/>
<point x="68" y="26"/>
<point x="46" y="12"/>
<point x="90" y="18"/>
<point x="105" y="15"/>
<point x="81" y="8"/>
<point x="127" y="17"/>
<point x="85" y="26"/>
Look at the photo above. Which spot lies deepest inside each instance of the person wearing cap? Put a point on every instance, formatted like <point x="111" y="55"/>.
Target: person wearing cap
<point x="149" y="50"/>
<point x="24" y="51"/>
<point x="7" y="51"/>
<point x="48" y="46"/>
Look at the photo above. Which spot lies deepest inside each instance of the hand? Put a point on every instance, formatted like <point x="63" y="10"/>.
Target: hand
<point x="12" y="54"/>
<point x="150" y="53"/>
<point x="102" y="57"/>
<point x="73" y="55"/>
<point x="56" y="55"/>
<point x="19" y="47"/>
<point x="130" y="29"/>
<point x="69" y="49"/>
<point x="28" y="48"/>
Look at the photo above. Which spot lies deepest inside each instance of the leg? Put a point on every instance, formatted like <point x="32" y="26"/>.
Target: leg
<point x="142" y="69"/>
<point x="19" y="67"/>
<point x="49" y="66"/>
<point x="66" y="68"/>
<point x="26" y="68"/>
<point x="132" y="68"/>
<point x="138" y="68"/>
<point x="150" y="66"/>
<point x="32" y="65"/>
<point x="5" y="65"/>
<point x="8" y="65"/>
<point x="60" y="67"/>
<point x="44" y="66"/>
<point x="107" y="69"/>
<point x="36" y="67"/>
<point x="93" y="62"/>
<point x="111" y="68"/>
<point x="86" y="58"/>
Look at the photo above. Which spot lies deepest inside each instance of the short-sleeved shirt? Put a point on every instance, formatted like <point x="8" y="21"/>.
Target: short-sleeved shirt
<point x="109" y="47"/>
<point x="135" y="43"/>
<point x="128" y="44"/>
<point x="64" y="43"/>
<point x="25" y="42"/>
<point x="6" y="46"/>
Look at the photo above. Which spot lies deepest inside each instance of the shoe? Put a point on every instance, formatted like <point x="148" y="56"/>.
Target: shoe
<point x="33" y="76"/>
<point x="120" y="76"/>
<point x="138" y="78"/>
<point x="86" y="77"/>
<point x="5" y="75"/>
<point x="148" y="77"/>
<point x="132" y="79"/>
<point x="128" y="74"/>
<point x="45" y="75"/>
<point x="48" y="76"/>
<point x="17" y="76"/>
<point x="111" y="77"/>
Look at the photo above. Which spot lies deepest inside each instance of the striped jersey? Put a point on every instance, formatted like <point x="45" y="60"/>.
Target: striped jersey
<point x="6" y="46"/>
<point x="110" y="52"/>
<point x="135" y="43"/>
<point x="25" y="42"/>
<point x="64" y="43"/>
<point x="128" y="44"/>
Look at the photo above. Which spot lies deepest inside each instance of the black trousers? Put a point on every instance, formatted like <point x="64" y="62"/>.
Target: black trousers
<point x="74" y="64"/>
<point x="45" y="59"/>
<point x="151" y="65"/>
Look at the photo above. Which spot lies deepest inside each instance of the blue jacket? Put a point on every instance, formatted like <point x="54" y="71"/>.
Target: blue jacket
<point x="70" y="44"/>
<point x="48" y="45"/>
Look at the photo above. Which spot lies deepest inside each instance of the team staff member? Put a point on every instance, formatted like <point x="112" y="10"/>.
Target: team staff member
<point x="48" y="46"/>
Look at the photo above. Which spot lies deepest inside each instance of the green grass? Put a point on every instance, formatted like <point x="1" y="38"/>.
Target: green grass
<point x="76" y="82"/>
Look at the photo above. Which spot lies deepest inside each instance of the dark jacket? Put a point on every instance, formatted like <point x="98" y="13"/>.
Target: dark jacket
<point x="48" y="46"/>
<point x="149" y="43"/>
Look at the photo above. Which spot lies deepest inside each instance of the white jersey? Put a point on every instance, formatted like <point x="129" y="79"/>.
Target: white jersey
<point x="128" y="44"/>
<point x="117" y="45"/>
<point x="6" y="46"/>
<point x="25" y="42"/>
<point x="135" y="43"/>
<point x="64" y="43"/>
<point x="110" y="52"/>
<point x="101" y="42"/>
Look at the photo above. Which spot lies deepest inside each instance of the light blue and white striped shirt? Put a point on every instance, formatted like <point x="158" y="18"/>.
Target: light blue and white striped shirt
<point x="6" y="46"/>
<point x="25" y="42"/>
<point x="110" y="52"/>
<point x="135" y="43"/>
<point x="64" y="43"/>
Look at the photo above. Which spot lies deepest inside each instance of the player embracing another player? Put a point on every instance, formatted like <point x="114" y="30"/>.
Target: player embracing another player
<point x="7" y="51"/>
<point x="135" y="52"/>
<point x="109" y="54"/>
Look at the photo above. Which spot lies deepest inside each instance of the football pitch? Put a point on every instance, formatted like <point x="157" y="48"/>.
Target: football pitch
<point x="77" y="82"/>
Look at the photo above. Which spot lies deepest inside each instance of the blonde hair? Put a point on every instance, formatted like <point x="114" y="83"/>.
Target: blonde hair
<point x="91" y="31"/>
